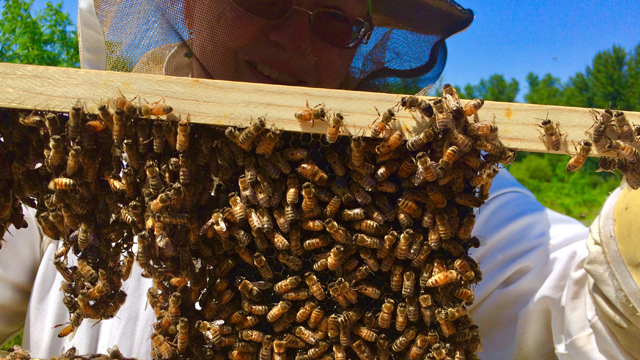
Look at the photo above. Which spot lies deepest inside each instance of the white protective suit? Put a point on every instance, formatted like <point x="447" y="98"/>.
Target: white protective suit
<point x="535" y="301"/>
<point x="550" y="288"/>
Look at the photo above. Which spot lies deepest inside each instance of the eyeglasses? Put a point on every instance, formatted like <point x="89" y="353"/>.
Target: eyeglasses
<point x="331" y="26"/>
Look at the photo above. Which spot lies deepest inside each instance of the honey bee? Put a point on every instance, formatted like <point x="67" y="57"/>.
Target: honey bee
<point x="339" y="233"/>
<point x="362" y="350"/>
<point x="367" y="255"/>
<point x="313" y="173"/>
<point x="443" y="278"/>
<point x="472" y="107"/>
<point x="314" y="286"/>
<point x="625" y="151"/>
<point x="444" y="119"/>
<point x="552" y="137"/>
<point x="290" y="261"/>
<point x="631" y="174"/>
<point x="308" y="197"/>
<point x="280" y="163"/>
<point x="387" y="245"/>
<point x="607" y="164"/>
<point x="425" y="169"/>
<point x="410" y="208"/>
<point x="405" y="339"/>
<point x="279" y="350"/>
<point x="368" y="241"/>
<point x="265" y="351"/>
<point x="292" y="189"/>
<point x="627" y="134"/>
<point x="265" y="219"/>
<point x="394" y="141"/>
<point x="279" y="241"/>
<point x="580" y="157"/>
<point x="311" y="114"/>
<point x="446" y="326"/>
<point x="332" y="208"/>
<point x="437" y="195"/>
<point x="600" y="123"/>
<point x="465" y="334"/>
<point x="316" y="317"/>
<point x="252" y="335"/>
<point x="365" y="333"/>
<point x="465" y="270"/>
<point x="312" y="225"/>
<point x="491" y="147"/>
<point x="162" y="347"/>
<point x="278" y="310"/>
<point x="361" y="196"/>
<point x="269" y="142"/>
<point x="357" y="151"/>
<point x="396" y="277"/>
<point x="368" y="290"/>
<point x="248" y="135"/>
<point x="62" y="184"/>
<point x="382" y="122"/>
<point x="333" y="130"/>
<point x="287" y="284"/>
<point x="408" y="284"/>
<point x="252" y="308"/>
<point x="252" y="290"/>
<point x="335" y="163"/>
<point x="333" y="327"/>
<point x="449" y="157"/>
<point x="182" y="338"/>
<point x="305" y="311"/>
<point x="306" y="335"/>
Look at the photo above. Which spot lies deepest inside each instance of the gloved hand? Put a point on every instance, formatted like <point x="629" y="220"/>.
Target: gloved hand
<point x="613" y="265"/>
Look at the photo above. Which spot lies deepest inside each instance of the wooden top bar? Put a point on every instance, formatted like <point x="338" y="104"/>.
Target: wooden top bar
<point x="227" y="103"/>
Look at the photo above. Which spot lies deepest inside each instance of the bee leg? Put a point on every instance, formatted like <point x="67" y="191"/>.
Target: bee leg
<point x="544" y="141"/>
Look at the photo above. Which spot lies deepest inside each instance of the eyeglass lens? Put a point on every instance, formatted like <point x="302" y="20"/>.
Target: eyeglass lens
<point x="331" y="26"/>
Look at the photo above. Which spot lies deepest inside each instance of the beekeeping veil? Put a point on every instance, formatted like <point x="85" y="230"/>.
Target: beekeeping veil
<point x="406" y="48"/>
<point x="613" y="266"/>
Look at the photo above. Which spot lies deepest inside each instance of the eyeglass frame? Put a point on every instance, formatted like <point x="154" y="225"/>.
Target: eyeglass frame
<point x="367" y="29"/>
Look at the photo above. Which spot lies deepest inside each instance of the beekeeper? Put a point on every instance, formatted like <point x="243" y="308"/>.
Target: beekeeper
<point x="550" y="288"/>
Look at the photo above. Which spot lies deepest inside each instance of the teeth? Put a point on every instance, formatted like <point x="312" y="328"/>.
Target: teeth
<point x="274" y="75"/>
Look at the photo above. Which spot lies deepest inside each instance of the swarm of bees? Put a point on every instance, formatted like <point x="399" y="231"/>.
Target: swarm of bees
<point x="264" y="244"/>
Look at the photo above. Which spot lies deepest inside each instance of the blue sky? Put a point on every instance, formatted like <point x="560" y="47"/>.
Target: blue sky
<point x="558" y="37"/>
<point x="514" y="37"/>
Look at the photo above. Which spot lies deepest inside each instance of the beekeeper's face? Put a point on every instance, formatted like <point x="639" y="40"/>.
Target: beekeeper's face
<point x="291" y="47"/>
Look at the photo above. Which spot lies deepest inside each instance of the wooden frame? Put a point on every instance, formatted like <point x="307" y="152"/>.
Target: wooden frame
<point x="227" y="103"/>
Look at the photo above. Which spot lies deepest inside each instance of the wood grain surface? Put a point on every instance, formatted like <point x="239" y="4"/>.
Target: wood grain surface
<point x="225" y="103"/>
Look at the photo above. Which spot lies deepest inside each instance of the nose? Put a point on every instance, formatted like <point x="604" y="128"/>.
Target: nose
<point x="293" y="33"/>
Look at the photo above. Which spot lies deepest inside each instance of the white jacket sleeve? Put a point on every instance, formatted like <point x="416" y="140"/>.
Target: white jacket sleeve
<point x="19" y="260"/>
<point x="528" y="253"/>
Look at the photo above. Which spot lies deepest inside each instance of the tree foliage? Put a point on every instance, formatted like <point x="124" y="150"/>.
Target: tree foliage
<point x="496" y="88"/>
<point x="46" y="38"/>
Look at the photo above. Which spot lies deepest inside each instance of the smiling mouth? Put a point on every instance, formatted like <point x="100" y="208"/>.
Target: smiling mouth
<point x="274" y="74"/>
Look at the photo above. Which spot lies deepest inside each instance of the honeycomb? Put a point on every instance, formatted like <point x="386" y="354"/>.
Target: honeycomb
<point x="183" y="201"/>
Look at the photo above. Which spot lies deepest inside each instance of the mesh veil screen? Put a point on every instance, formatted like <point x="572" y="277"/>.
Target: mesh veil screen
<point x="153" y="37"/>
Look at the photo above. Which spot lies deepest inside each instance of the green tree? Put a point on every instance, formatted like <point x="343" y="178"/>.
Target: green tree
<point x="496" y="88"/>
<point x="46" y="38"/>
<point x="547" y="90"/>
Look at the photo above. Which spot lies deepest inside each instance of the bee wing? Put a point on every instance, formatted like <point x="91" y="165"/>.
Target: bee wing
<point x="420" y="175"/>
<point x="425" y="90"/>
<point x="262" y="285"/>
<point x="321" y="256"/>
<point x="206" y="227"/>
